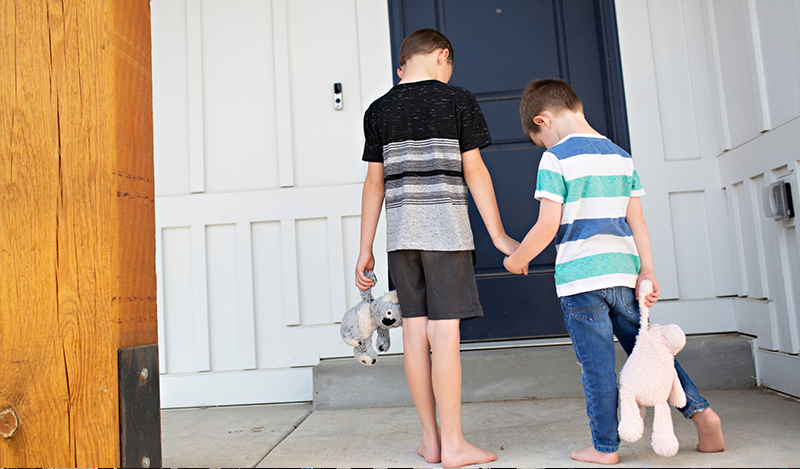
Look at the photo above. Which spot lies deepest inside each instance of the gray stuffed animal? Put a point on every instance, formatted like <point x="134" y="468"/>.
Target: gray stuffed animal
<point x="368" y="316"/>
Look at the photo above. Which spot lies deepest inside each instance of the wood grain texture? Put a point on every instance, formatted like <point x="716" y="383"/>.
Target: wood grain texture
<point x="31" y="354"/>
<point x="76" y="204"/>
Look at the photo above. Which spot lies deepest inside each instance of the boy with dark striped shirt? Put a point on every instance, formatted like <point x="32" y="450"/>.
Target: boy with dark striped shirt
<point x="423" y="141"/>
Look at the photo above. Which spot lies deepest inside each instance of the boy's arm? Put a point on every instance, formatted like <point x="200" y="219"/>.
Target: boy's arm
<point x="537" y="238"/>
<point x="635" y="219"/>
<point x="371" y="203"/>
<point x="480" y="185"/>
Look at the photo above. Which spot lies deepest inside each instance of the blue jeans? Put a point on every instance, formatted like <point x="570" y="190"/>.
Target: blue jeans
<point x="593" y="318"/>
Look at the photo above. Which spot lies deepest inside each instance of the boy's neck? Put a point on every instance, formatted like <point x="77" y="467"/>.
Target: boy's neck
<point x="412" y="76"/>
<point x="569" y="123"/>
<point x="422" y="68"/>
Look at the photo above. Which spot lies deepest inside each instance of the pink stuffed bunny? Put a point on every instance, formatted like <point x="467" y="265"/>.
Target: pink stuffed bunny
<point x="649" y="379"/>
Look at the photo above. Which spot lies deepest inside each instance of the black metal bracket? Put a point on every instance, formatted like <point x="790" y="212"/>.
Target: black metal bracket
<point x="139" y="407"/>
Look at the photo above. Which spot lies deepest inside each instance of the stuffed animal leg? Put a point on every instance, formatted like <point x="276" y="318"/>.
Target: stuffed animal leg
<point x="349" y="329"/>
<point x="664" y="441"/>
<point x="383" y="341"/>
<point x="365" y="353"/>
<point x="677" y="396"/>
<point x="631" y="422"/>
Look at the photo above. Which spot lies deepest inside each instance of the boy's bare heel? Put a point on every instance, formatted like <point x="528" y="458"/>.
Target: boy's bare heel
<point x="430" y="454"/>
<point x="465" y="454"/>
<point x="589" y="454"/>
<point x="709" y="431"/>
<point x="431" y="448"/>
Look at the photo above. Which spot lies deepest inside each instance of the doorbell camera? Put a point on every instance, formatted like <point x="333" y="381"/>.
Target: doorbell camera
<point x="337" y="96"/>
<point x="777" y="198"/>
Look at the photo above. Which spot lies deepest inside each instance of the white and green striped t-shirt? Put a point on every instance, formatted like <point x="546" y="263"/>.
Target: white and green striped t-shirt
<point x="594" y="179"/>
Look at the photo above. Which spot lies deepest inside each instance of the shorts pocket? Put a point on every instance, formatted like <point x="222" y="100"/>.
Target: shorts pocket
<point x="587" y="306"/>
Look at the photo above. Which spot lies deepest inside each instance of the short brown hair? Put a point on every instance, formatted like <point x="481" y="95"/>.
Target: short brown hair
<point x="552" y="95"/>
<point x="423" y="41"/>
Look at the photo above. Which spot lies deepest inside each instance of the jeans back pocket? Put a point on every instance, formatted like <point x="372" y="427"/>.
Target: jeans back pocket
<point x="587" y="306"/>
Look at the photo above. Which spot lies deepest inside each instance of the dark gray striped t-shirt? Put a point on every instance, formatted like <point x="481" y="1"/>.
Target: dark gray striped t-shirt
<point x="418" y="131"/>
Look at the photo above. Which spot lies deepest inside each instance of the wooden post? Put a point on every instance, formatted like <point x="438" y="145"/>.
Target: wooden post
<point x="77" y="222"/>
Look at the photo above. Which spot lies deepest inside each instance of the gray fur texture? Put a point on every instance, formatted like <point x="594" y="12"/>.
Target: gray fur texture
<point x="367" y="317"/>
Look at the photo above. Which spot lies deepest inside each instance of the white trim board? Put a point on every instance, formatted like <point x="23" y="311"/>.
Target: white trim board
<point x="748" y="313"/>
<point x="768" y="151"/>
<point x="255" y="206"/>
<point x="697" y="316"/>
<point x="779" y="371"/>
<point x="237" y="387"/>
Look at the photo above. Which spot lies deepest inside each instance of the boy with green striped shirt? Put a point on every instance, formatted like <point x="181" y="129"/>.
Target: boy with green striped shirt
<point x="589" y="193"/>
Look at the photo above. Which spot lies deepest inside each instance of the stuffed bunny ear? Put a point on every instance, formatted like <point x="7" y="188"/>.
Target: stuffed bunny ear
<point x="390" y="297"/>
<point x="645" y="288"/>
<point x="367" y="293"/>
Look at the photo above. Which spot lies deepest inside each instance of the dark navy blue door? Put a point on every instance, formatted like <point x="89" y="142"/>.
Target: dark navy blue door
<point x="499" y="46"/>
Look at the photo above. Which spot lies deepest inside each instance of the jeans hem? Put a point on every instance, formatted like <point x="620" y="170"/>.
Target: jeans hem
<point x="605" y="448"/>
<point x="690" y="410"/>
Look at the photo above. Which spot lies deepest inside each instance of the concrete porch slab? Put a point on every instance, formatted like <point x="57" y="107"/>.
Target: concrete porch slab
<point x="226" y="436"/>
<point x="761" y="430"/>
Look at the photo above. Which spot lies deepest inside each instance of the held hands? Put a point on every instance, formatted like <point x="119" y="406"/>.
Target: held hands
<point x="508" y="246"/>
<point x="650" y="299"/>
<point x="366" y="261"/>
<point x="514" y="266"/>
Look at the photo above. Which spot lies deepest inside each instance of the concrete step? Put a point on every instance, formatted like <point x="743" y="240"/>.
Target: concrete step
<point x="723" y="361"/>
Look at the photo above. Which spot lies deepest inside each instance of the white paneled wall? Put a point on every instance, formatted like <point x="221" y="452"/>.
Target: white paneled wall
<point x="238" y="79"/>
<point x="713" y="96"/>
<point x="319" y="132"/>
<point x="674" y="143"/>
<point x="779" y="38"/>
<point x="259" y="189"/>
<point x="692" y="244"/>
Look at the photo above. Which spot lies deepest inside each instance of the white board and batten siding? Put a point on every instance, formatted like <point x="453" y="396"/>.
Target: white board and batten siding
<point x="258" y="189"/>
<point x="713" y="98"/>
<point x="258" y="179"/>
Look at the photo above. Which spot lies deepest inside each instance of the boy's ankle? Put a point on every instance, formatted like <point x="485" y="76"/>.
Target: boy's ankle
<point x="453" y="444"/>
<point x="431" y="440"/>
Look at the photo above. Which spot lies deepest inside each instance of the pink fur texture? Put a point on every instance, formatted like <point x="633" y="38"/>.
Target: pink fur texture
<point x="649" y="379"/>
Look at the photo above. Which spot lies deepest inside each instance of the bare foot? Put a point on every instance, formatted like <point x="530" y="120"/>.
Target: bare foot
<point x="709" y="431"/>
<point x="589" y="454"/>
<point x="465" y="454"/>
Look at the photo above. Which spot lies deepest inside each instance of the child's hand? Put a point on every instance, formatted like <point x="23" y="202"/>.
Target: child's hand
<point x="366" y="261"/>
<point x="650" y="299"/>
<point x="514" y="267"/>
<point x="506" y="244"/>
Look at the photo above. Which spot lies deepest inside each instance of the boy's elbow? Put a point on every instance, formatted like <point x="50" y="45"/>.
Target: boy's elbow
<point x="474" y="172"/>
<point x="636" y="222"/>
<point x="372" y="186"/>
